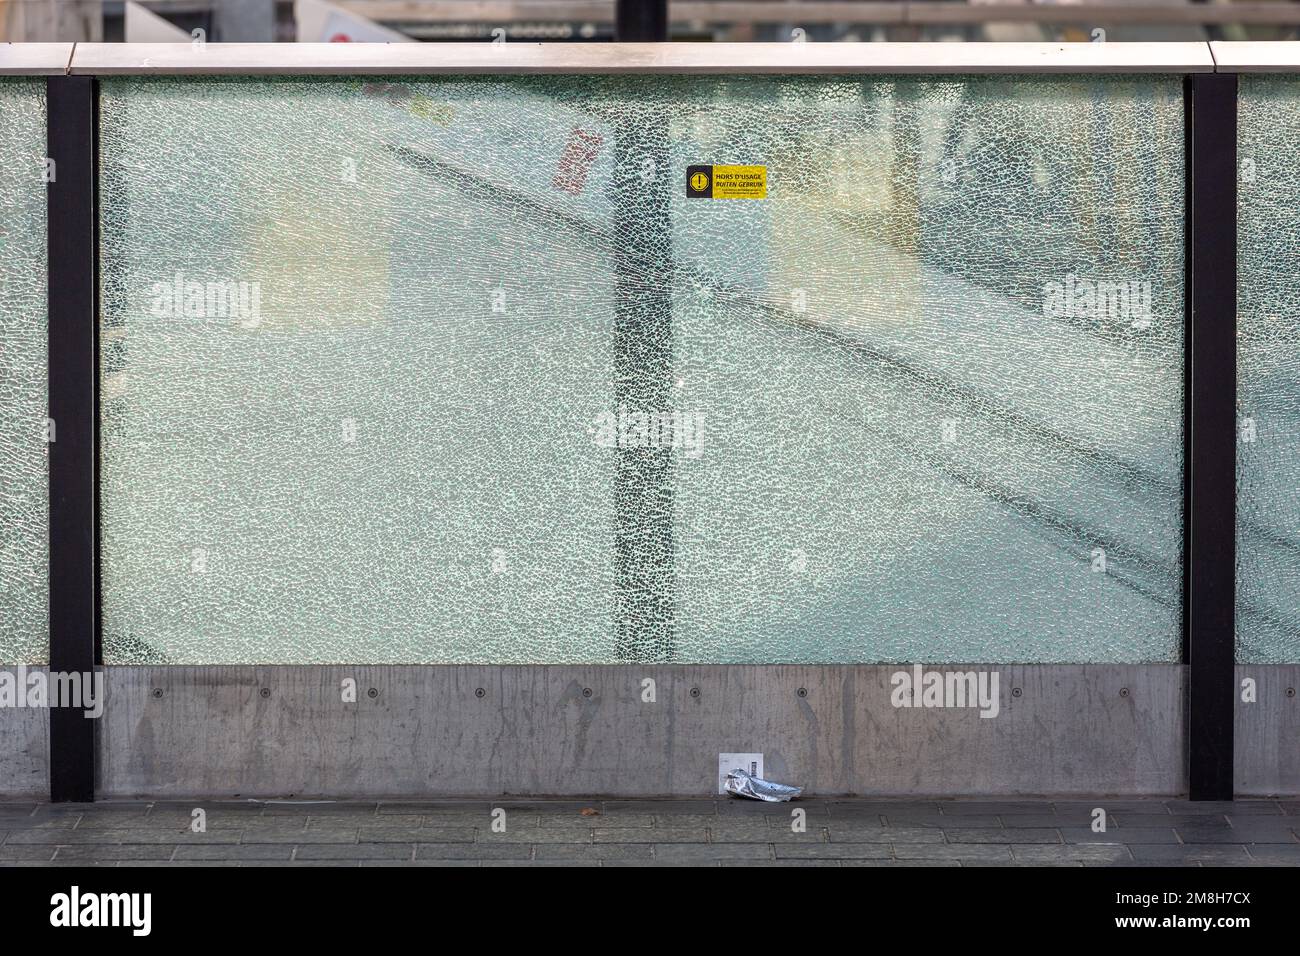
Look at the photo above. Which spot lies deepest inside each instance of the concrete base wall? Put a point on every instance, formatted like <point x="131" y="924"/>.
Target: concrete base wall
<point x="586" y="730"/>
<point x="1095" y="729"/>
<point x="1266" y="754"/>
<point x="24" y="750"/>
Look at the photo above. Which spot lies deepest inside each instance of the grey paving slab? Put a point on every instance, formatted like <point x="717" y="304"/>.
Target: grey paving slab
<point x="1138" y="864"/>
<point x="1195" y="833"/>
<point x="851" y="834"/>
<point x="436" y="807"/>
<point x="183" y="837"/>
<point x="41" y="823"/>
<point x="183" y="864"/>
<point x="11" y="853"/>
<point x="722" y="833"/>
<point x="328" y="821"/>
<point x="1219" y="807"/>
<point x="212" y="821"/>
<point x="485" y="819"/>
<point x="594" y="851"/>
<point x="989" y="807"/>
<point x="944" y="821"/>
<point x="98" y="864"/>
<point x="779" y="863"/>
<point x="358" y="851"/>
<point x="539" y="835"/>
<point x="1172" y="820"/>
<point x="947" y="863"/>
<point x="1076" y="864"/>
<point x="632" y="864"/>
<point x="300" y="836"/>
<point x="1275" y="852"/>
<point x="1189" y="853"/>
<point x="68" y="809"/>
<point x="951" y="851"/>
<point x="421" y="863"/>
<point x="690" y="821"/>
<point x="250" y="808"/>
<point x="116" y="821"/>
<point x="838" y="808"/>
<point x="412" y="835"/>
<point x="689" y="832"/>
<point x="1249" y="827"/>
<point x="661" y="864"/>
<point x="473" y="851"/>
<point x="604" y="820"/>
<point x="753" y="810"/>
<point x="134" y="851"/>
<point x="1243" y="862"/>
<point x="1022" y="835"/>
<point x="254" y="851"/>
<point x="836" y="851"/>
<point x="531" y="863"/>
<point x="583" y="811"/>
<point x="654" y="835"/>
<point x="703" y="853"/>
<point x="1045" y="852"/>
<point x="702" y="805"/>
<point x="103" y="809"/>
<point x="1130" y="835"/>
<point x="293" y="863"/>
<point x="284" y="824"/>
<point x="352" y="811"/>
<point x="782" y="811"/>
<point x="1251" y="807"/>
<point x="1032" y="821"/>
<point x="107" y="837"/>
<point x="1254" y="819"/>
<point x="574" y="807"/>
<point x="1086" y="806"/>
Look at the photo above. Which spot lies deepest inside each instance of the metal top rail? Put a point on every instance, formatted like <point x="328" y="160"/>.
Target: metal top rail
<point x="120" y="59"/>
<point x="108" y="59"/>
<point x="1281" y="56"/>
<point x="35" y="59"/>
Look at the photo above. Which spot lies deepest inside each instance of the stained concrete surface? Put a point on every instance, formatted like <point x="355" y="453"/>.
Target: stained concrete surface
<point x="456" y="730"/>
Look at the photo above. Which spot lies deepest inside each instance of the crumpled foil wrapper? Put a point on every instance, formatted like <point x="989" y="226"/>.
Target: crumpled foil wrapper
<point x="744" y="784"/>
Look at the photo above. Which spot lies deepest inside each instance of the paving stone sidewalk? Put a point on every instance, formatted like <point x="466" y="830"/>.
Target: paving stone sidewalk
<point x="694" y="832"/>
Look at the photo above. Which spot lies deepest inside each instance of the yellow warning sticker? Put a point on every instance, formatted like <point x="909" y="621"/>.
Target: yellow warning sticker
<point x="726" y="182"/>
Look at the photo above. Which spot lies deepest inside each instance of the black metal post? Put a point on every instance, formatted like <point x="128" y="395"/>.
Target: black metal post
<point x="72" y="227"/>
<point x="1210" y="443"/>
<point x="641" y="21"/>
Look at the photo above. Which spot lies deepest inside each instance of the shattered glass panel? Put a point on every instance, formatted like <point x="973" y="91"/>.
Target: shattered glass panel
<point x="454" y="369"/>
<point x="24" y="488"/>
<point x="1268" y="372"/>
<point x="939" y="371"/>
<point x="346" y="382"/>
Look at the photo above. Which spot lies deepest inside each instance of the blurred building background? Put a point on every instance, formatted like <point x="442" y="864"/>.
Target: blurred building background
<point x="691" y="20"/>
